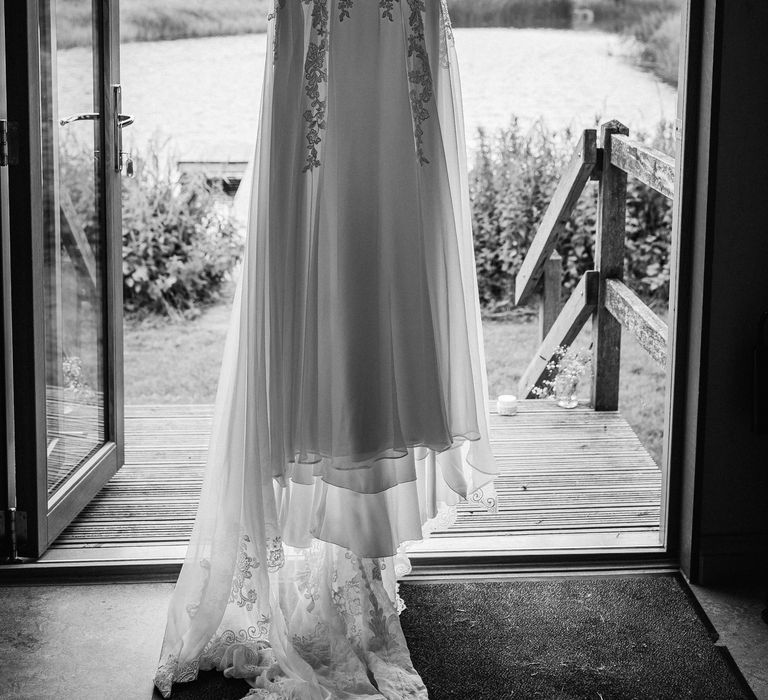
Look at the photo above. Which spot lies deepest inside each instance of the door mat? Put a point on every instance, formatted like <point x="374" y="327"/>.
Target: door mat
<point x="622" y="638"/>
<point x="611" y="638"/>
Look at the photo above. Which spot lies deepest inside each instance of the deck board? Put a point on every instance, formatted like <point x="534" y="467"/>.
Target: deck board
<point x="561" y="471"/>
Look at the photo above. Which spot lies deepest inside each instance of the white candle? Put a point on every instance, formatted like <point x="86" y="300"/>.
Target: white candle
<point x="506" y="405"/>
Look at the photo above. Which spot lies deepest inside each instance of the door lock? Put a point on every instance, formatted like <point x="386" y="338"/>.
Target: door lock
<point x="121" y="121"/>
<point x="130" y="170"/>
<point x="9" y="152"/>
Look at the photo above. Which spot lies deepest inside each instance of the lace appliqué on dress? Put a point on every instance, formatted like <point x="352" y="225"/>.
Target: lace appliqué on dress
<point x="316" y="67"/>
<point x="387" y="7"/>
<point x="171" y="671"/>
<point x="240" y="595"/>
<point x="485" y="496"/>
<point x="419" y="75"/>
<point x="275" y="15"/>
<point x="251" y="647"/>
<point x="275" y="553"/>
<point x="342" y="612"/>
<point x="316" y="77"/>
<point x="344" y="7"/>
<point x="446" y="35"/>
<point x="192" y="608"/>
<point x="250" y="644"/>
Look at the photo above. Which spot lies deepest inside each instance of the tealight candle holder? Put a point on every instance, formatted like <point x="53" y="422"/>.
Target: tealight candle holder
<point x="506" y="405"/>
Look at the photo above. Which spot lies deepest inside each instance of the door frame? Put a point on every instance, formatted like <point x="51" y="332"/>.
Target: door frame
<point x="701" y="26"/>
<point x="7" y="459"/>
<point x="46" y="518"/>
<point x="697" y="118"/>
<point x="681" y="270"/>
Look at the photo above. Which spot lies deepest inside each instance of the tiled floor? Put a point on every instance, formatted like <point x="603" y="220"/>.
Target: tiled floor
<point x="99" y="642"/>
<point x="84" y="642"/>
<point x="735" y="613"/>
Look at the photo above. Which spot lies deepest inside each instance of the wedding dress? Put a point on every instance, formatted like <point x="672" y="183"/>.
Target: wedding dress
<point x="351" y="409"/>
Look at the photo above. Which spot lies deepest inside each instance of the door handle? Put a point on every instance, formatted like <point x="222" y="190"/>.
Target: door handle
<point x="79" y="117"/>
<point x="120" y="122"/>
<point x="123" y="119"/>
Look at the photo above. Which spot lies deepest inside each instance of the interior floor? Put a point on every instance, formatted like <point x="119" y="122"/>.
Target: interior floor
<point x="735" y="612"/>
<point x="103" y="640"/>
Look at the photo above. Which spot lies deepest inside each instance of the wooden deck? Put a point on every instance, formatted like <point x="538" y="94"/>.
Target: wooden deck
<point x="564" y="473"/>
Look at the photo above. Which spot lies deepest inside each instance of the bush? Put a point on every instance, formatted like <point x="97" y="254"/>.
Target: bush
<point x="658" y="39"/>
<point x="511" y="13"/>
<point x="179" y="240"/>
<point x="511" y="184"/>
<point x="609" y="15"/>
<point x="619" y="15"/>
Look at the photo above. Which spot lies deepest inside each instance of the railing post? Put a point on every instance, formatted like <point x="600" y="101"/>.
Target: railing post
<point x="609" y="261"/>
<point x="549" y="301"/>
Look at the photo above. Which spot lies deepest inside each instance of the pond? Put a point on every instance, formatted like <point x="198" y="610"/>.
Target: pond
<point x="203" y="94"/>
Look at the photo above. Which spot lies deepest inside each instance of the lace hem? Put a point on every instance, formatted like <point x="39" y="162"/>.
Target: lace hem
<point x="332" y="615"/>
<point x="444" y="520"/>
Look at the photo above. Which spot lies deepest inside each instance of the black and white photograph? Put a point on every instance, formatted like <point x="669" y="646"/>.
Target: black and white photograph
<point x="384" y="349"/>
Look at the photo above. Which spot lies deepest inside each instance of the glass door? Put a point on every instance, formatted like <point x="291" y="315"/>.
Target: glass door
<point x="73" y="267"/>
<point x="69" y="388"/>
<point x="7" y="470"/>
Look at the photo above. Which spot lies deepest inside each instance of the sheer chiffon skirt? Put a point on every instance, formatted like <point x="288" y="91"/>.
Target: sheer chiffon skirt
<point x="351" y="408"/>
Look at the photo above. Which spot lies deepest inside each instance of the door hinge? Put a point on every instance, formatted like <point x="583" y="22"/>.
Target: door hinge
<point x="13" y="532"/>
<point x="3" y="142"/>
<point x="9" y="154"/>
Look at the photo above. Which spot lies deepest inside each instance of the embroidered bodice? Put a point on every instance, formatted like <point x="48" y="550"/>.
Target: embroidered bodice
<point x="316" y="62"/>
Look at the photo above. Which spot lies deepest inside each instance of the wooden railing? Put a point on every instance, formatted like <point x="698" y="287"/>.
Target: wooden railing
<point x="600" y="295"/>
<point x="75" y="241"/>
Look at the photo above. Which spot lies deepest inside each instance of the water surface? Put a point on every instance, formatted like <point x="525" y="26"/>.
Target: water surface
<point x="204" y="94"/>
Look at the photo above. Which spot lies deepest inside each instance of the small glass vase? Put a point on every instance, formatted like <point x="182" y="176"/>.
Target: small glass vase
<point x="565" y="394"/>
<point x="568" y="401"/>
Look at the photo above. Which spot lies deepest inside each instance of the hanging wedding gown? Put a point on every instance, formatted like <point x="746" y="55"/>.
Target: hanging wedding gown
<point x="351" y="409"/>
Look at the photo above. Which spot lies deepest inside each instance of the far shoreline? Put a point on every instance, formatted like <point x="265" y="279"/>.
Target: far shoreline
<point x="654" y="24"/>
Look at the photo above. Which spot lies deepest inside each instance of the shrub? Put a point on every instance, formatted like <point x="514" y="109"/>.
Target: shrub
<point x="511" y="13"/>
<point x="658" y="39"/>
<point x="609" y="15"/>
<point x="618" y="15"/>
<point x="179" y="240"/>
<point x="513" y="179"/>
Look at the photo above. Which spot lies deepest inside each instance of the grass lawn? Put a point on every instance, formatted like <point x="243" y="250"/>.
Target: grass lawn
<point x="510" y="345"/>
<point x="175" y="361"/>
<point x="178" y="362"/>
